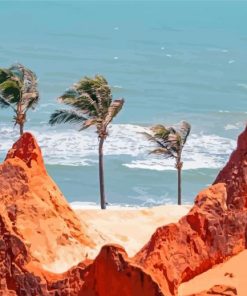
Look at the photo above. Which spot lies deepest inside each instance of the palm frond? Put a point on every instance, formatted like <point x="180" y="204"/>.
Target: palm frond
<point x="30" y="94"/>
<point x="87" y="123"/>
<point x="86" y="86"/>
<point x="184" y="131"/>
<point x="174" y="138"/>
<point x="161" y="132"/>
<point x="94" y="87"/>
<point x="80" y="101"/>
<point x="113" y="110"/>
<point x="153" y="139"/>
<point x="64" y="116"/>
<point x="4" y="75"/>
<point x="10" y="90"/>
<point x="4" y="103"/>
<point x="19" y="86"/>
<point x="92" y="102"/>
<point x="98" y="90"/>
<point x="162" y="151"/>
<point x="31" y="101"/>
<point x="159" y="129"/>
<point x="91" y="98"/>
<point x="17" y="70"/>
<point x="103" y="92"/>
<point x="169" y="140"/>
<point x="69" y="95"/>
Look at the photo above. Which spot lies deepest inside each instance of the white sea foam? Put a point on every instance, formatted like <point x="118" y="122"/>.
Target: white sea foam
<point x="201" y="151"/>
<point x="70" y="147"/>
<point x="78" y="205"/>
<point x="232" y="127"/>
<point x="163" y="165"/>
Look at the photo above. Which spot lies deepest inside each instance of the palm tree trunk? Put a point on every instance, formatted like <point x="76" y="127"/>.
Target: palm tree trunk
<point x="179" y="185"/>
<point x="20" y="118"/>
<point x="101" y="175"/>
<point x="179" y="166"/>
<point x="21" y="128"/>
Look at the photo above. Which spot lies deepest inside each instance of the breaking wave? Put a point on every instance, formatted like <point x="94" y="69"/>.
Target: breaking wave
<point x="70" y="147"/>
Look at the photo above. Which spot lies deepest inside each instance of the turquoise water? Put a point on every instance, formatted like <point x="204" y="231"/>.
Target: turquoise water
<point x="171" y="61"/>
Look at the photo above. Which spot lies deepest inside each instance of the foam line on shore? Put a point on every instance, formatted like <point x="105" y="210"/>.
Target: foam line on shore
<point x="71" y="148"/>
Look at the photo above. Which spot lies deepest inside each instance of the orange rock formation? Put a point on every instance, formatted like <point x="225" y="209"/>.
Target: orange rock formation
<point x="33" y="210"/>
<point x="36" y="210"/>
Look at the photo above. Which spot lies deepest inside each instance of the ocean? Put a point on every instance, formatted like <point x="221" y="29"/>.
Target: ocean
<point x="170" y="60"/>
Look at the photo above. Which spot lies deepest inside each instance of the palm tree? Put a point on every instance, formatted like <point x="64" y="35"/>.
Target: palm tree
<point x="92" y="104"/>
<point x="18" y="91"/>
<point x="170" y="142"/>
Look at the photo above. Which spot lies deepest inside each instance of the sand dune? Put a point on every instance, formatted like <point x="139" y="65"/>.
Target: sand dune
<point x="129" y="227"/>
<point x="233" y="273"/>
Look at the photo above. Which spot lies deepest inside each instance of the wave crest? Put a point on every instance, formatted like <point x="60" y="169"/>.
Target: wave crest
<point x="69" y="147"/>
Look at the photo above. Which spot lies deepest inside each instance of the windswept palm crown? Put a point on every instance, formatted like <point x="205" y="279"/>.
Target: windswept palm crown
<point x="92" y="104"/>
<point x="170" y="142"/>
<point x="19" y="91"/>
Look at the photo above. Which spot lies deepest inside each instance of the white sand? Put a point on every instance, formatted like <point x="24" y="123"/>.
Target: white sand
<point x="130" y="227"/>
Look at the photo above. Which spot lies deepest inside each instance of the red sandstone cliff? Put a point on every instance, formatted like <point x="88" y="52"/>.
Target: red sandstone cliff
<point x="234" y="176"/>
<point x="36" y="211"/>
<point x="214" y="230"/>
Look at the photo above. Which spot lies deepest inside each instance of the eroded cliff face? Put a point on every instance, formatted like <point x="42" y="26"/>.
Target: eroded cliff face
<point x="37" y="211"/>
<point x="14" y="279"/>
<point x="113" y="273"/>
<point x="208" y="235"/>
<point x="234" y="176"/>
<point x="214" y="230"/>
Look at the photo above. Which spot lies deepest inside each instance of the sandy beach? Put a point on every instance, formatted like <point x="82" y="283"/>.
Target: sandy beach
<point x="231" y="272"/>
<point x="131" y="227"/>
